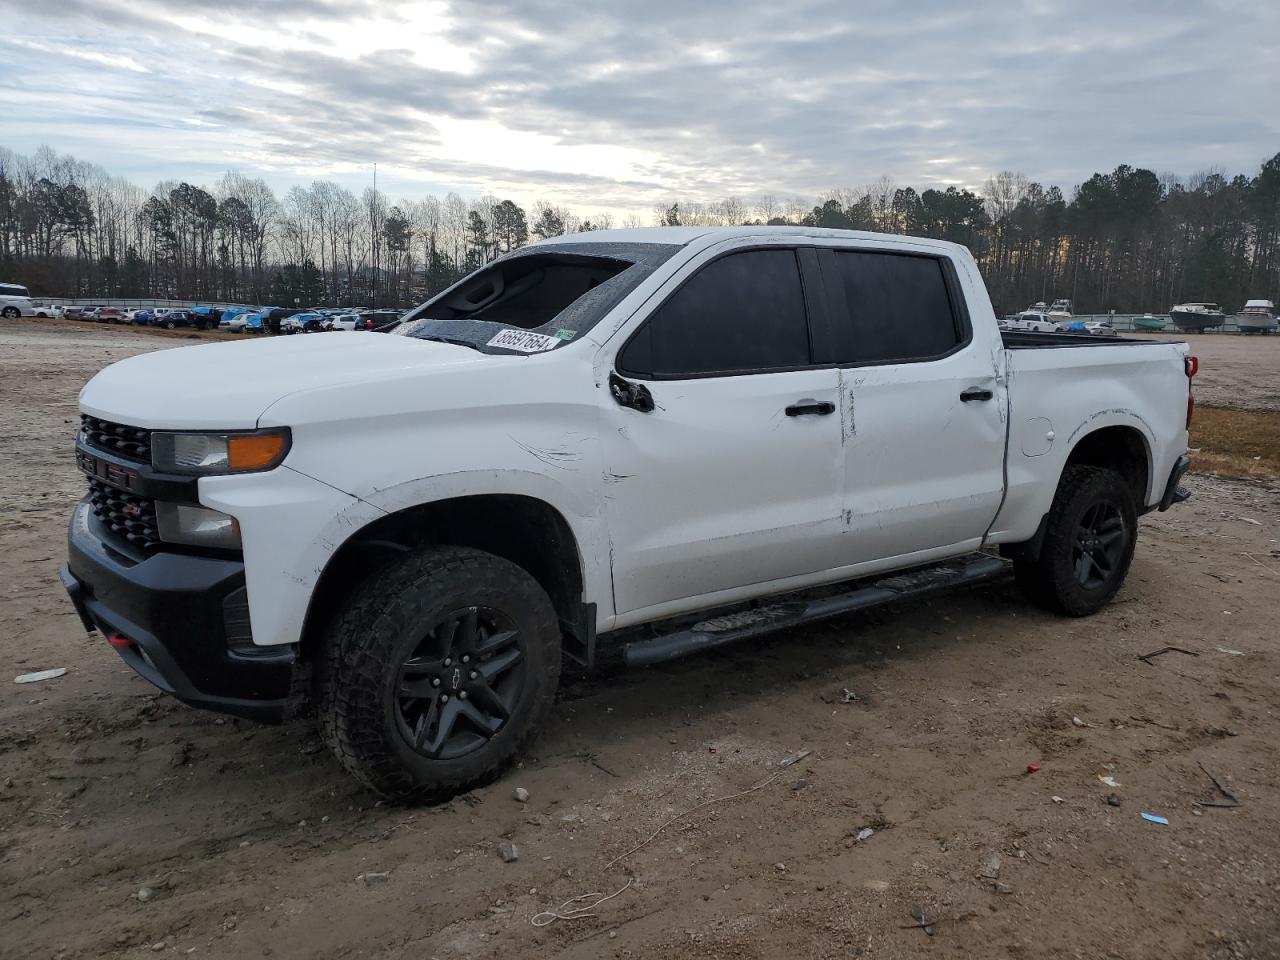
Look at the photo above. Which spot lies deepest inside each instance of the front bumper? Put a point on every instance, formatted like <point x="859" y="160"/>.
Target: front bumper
<point x="180" y="620"/>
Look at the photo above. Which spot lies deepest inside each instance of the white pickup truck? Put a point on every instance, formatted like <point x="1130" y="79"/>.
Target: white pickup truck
<point x="650" y="442"/>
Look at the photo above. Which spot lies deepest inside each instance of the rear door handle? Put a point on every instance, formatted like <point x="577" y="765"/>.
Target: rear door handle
<point x="976" y="393"/>
<point x="805" y="408"/>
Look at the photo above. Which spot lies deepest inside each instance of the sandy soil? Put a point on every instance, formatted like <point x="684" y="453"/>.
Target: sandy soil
<point x="133" y="826"/>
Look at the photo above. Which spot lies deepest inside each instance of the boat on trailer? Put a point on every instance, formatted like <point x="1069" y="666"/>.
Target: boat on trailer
<point x="1193" y="316"/>
<point x="1257" y="316"/>
<point x="1149" y="322"/>
<point x="1061" y="310"/>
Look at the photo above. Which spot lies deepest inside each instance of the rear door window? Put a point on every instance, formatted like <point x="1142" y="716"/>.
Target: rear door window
<point x="897" y="307"/>
<point x="742" y="313"/>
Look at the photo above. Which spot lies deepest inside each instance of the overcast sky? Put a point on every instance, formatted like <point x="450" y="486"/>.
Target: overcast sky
<point x="620" y="105"/>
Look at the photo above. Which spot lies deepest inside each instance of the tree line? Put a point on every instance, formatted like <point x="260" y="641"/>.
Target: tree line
<point x="1131" y="240"/>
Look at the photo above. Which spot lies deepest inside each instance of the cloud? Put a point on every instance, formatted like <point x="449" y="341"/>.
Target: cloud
<point x="622" y="105"/>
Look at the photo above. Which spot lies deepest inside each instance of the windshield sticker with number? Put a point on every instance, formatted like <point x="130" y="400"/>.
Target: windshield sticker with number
<point x="524" y="341"/>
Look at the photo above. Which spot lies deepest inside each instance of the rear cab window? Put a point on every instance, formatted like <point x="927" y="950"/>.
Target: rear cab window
<point x="536" y="299"/>
<point x="893" y="307"/>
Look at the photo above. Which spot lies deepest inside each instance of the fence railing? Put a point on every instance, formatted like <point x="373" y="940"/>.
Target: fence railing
<point x="137" y="303"/>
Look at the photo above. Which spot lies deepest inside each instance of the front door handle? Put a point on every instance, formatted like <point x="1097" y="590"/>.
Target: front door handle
<point x="805" y="408"/>
<point x="976" y="393"/>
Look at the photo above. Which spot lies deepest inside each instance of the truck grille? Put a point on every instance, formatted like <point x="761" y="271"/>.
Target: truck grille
<point x="131" y="443"/>
<point x="124" y="514"/>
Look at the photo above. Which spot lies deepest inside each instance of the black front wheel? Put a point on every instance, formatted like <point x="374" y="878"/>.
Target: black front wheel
<point x="437" y="671"/>
<point x="1089" y="541"/>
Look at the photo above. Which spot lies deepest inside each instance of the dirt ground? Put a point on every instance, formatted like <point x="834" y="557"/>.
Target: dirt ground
<point x="133" y="826"/>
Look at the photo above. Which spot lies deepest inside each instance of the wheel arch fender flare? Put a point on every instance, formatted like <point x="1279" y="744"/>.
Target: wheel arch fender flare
<point x="582" y="522"/>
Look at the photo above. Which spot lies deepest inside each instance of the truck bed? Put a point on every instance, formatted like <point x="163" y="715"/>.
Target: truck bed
<point x="1023" y="340"/>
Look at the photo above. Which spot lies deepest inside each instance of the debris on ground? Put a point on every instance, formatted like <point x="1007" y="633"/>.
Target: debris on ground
<point x="372" y="878"/>
<point x="520" y="795"/>
<point x="1058" y="799"/>
<point x="1113" y="800"/>
<point x="1033" y="768"/>
<point x="1146" y="657"/>
<point x="918" y="915"/>
<point x="794" y="758"/>
<point x="508" y="851"/>
<point x="989" y="868"/>
<point x="1109" y="781"/>
<point x="1232" y="799"/>
<point x="866" y="833"/>
<point x="1229" y="652"/>
<point x="40" y="675"/>
<point x="1155" y="818"/>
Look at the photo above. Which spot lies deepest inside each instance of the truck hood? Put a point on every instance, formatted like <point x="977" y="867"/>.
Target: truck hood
<point x="227" y="386"/>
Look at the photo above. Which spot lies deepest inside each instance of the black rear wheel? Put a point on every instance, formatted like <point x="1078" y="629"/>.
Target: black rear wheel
<point x="1089" y="542"/>
<point x="437" y="671"/>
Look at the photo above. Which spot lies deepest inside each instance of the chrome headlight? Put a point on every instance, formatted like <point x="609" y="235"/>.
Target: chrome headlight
<point x="214" y="453"/>
<point x="196" y="526"/>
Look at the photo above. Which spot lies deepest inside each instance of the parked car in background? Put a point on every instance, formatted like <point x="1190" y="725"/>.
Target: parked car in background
<point x="12" y="307"/>
<point x="110" y="315"/>
<point x="1095" y="328"/>
<point x="141" y="318"/>
<point x="272" y="316"/>
<point x="46" y="310"/>
<point x="171" y="319"/>
<point x="209" y="316"/>
<point x="306" y="322"/>
<point x="342" y="321"/>
<point x="1033" y="321"/>
<point x="229" y="314"/>
<point x="377" y="319"/>
<point x="74" y="313"/>
<point x="15" y="301"/>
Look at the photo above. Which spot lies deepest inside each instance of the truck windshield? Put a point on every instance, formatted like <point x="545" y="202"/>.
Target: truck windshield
<point x="536" y="299"/>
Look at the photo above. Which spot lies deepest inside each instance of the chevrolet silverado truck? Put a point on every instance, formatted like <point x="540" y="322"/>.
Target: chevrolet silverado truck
<point x="637" y="444"/>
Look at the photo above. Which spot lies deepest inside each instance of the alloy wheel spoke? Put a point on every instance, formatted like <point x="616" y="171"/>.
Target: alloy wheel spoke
<point x="420" y="666"/>
<point x="1111" y="537"/>
<point x="419" y="688"/>
<point x="426" y="719"/>
<point x="486" y="698"/>
<point x="495" y="642"/>
<point x="1082" y="567"/>
<point x="448" y="719"/>
<point x="485" y="724"/>
<point x="496" y="666"/>
<point x="445" y="634"/>
<point x="468" y="632"/>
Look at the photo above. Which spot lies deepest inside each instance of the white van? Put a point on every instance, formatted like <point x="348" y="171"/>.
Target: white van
<point x="15" y="301"/>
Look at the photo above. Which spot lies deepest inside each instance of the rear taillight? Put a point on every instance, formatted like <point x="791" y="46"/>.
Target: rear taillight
<point x="1192" y="367"/>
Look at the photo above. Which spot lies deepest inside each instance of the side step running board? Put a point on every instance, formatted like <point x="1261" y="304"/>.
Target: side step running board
<point x="731" y="627"/>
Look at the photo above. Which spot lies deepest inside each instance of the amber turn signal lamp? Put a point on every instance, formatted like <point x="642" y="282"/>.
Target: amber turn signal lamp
<point x="256" y="451"/>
